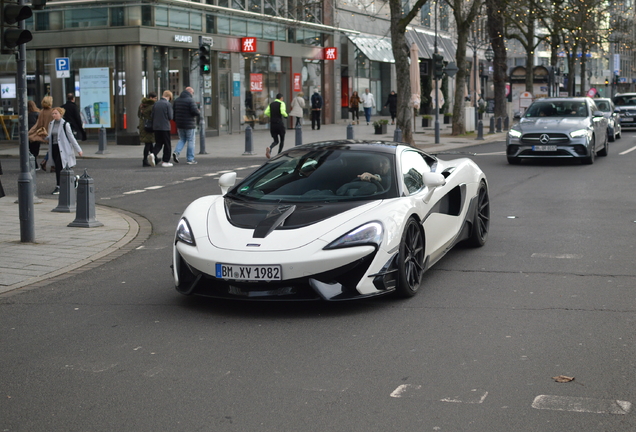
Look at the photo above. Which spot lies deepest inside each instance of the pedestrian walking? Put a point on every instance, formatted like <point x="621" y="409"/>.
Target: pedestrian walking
<point x="32" y="118"/>
<point x="368" y="102"/>
<point x="316" y="108"/>
<point x="297" y="106"/>
<point x="62" y="145"/>
<point x="161" y="116"/>
<point x="354" y="107"/>
<point x="146" y="133"/>
<point x="391" y="103"/>
<point x="276" y="111"/>
<point x="185" y="115"/>
<point x="39" y="131"/>
<point x="72" y="116"/>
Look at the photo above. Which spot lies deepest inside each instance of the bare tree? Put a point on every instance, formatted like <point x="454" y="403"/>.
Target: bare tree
<point x="498" y="43"/>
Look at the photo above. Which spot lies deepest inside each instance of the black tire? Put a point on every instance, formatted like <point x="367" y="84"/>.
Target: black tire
<point x="410" y="260"/>
<point x="605" y="150"/>
<point x="514" y="161"/>
<point x="611" y="137"/>
<point x="481" y="220"/>
<point x="589" y="160"/>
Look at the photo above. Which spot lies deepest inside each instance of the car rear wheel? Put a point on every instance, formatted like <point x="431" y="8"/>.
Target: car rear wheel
<point x="410" y="260"/>
<point x="481" y="221"/>
<point x="514" y="160"/>
<point x="589" y="160"/>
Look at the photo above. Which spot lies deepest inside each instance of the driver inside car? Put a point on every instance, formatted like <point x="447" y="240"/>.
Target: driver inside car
<point x="380" y="172"/>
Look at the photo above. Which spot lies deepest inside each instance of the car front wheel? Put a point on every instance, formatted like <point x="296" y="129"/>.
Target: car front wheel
<point x="481" y="221"/>
<point x="589" y="160"/>
<point x="410" y="259"/>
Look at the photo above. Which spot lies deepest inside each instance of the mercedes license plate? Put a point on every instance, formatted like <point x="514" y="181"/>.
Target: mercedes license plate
<point x="627" y="119"/>
<point x="249" y="272"/>
<point x="544" y="148"/>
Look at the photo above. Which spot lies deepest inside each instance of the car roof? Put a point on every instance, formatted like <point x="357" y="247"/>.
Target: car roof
<point x="355" y="145"/>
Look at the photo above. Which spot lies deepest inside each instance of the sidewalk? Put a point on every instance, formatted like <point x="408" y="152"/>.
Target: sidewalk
<point x="61" y="251"/>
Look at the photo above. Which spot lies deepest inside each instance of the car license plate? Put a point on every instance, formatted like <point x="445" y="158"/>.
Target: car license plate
<point x="249" y="272"/>
<point x="627" y="119"/>
<point x="544" y="148"/>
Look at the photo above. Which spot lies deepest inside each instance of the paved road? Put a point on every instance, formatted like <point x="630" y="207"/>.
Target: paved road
<point x="551" y="293"/>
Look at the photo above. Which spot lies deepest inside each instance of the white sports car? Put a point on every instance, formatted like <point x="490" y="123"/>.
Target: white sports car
<point x="330" y="220"/>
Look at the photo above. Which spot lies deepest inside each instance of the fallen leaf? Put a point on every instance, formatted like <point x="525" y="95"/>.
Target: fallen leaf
<point x="563" y="378"/>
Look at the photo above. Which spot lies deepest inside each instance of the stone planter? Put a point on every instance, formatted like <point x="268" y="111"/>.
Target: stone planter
<point x="447" y="119"/>
<point x="380" y="130"/>
<point x="426" y="122"/>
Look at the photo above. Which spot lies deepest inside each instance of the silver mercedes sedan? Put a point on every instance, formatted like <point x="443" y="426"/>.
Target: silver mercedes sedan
<point x="559" y="128"/>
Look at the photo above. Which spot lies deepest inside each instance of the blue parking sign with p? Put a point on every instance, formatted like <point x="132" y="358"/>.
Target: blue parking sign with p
<point x="63" y="67"/>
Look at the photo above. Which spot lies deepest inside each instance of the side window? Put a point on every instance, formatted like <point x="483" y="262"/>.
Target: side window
<point x="413" y="167"/>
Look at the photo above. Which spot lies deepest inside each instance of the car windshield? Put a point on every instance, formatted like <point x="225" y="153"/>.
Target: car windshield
<point x="625" y="100"/>
<point x="565" y="108"/>
<point x="604" y="106"/>
<point x="319" y="175"/>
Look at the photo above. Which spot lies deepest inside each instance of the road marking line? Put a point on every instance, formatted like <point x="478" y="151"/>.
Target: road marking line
<point x="192" y="178"/>
<point x="474" y="397"/>
<point x="491" y="154"/>
<point x="579" y="404"/>
<point x="134" y="192"/>
<point x="154" y="187"/>
<point x="627" y="151"/>
<point x="398" y="392"/>
<point x="558" y="256"/>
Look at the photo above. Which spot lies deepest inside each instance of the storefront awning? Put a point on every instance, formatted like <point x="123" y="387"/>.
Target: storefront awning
<point x="426" y="44"/>
<point x="376" y="48"/>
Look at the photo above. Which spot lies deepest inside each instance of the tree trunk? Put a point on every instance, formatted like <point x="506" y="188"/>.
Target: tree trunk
<point x="530" y="58"/>
<point x="459" y="121"/>
<point x="401" y="55"/>
<point x="498" y="43"/>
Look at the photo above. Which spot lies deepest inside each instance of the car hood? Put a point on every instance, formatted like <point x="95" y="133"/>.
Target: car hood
<point x="277" y="227"/>
<point x="552" y="124"/>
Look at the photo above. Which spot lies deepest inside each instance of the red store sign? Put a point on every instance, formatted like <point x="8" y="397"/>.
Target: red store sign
<point x="248" y="44"/>
<point x="297" y="85"/>
<point x="256" y="82"/>
<point x="330" y="53"/>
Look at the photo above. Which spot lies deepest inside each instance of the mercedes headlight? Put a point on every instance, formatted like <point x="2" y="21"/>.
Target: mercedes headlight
<point x="514" y="133"/>
<point x="367" y="234"/>
<point x="184" y="233"/>
<point x="578" y="133"/>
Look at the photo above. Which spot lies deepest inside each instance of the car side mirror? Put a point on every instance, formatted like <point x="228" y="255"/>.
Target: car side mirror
<point x="517" y="115"/>
<point x="432" y="181"/>
<point x="598" y="114"/>
<point x="226" y="181"/>
<point x="617" y="110"/>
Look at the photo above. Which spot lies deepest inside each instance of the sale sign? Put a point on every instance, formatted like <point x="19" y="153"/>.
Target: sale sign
<point x="256" y="82"/>
<point x="330" y="53"/>
<point x="297" y="84"/>
<point x="248" y="44"/>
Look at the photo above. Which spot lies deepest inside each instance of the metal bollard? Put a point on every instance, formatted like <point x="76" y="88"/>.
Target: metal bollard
<point x="32" y="166"/>
<point x="498" y="124"/>
<point x="350" y="134"/>
<point x="66" y="200"/>
<point x="507" y="123"/>
<point x="299" y="135"/>
<point x="249" y="147"/>
<point x="397" y="134"/>
<point x="480" y="130"/>
<point x="85" y="214"/>
<point x="102" y="144"/>
<point x="492" y="125"/>
<point x="201" y="133"/>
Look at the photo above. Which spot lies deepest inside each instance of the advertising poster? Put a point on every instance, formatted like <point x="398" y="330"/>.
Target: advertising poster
<point x="95" y="97"/>
<point x="256" y="82"/>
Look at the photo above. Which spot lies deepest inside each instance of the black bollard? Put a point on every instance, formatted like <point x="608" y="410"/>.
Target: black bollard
<point x="102" y="142"/>
<point x="507" y="123"/>
<point x="299" y="135"/>
<point x="249" y="147"/>
<point x="66" y="200"/>
<point x="85" y="214"/>
<point x="397" y="134"/>
<point x="480" y="130"/>
<point x="492" y="125"/>
<point x="350" y="134"/>
<point x="498" y="124"/>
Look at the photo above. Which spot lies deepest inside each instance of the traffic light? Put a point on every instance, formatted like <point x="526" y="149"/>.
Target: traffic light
<point x="204" y="59"/>
<point x="617" y="79"/>
<point x="12" y="35"/>
<point x="606" y="81"/>
<point x="438" y="66"/>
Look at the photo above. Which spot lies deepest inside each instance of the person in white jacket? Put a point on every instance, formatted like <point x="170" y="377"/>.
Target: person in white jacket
<point x="368" y="102"/>
<point x="62" y="145"/>
<point x="297" y="105"/>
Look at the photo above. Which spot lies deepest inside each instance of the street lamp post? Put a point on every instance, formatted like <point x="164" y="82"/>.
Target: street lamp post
<point x="436" y="85"/>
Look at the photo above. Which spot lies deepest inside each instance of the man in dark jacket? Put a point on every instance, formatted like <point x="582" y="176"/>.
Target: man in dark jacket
<point x="161" y="116"/>
<point x="147" y="137"/>
<point x="276" y="111"/>
<point x="185" y="115"/>
<point x="72" y="116"/>
<point x="316" y="108"/>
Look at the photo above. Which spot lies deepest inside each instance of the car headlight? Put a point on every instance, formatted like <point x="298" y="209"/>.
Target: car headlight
<point x="184" y="233"/>
<point x="514" y="133"/>
<point x="578" y="133"/>
<point x="370" y="233"/>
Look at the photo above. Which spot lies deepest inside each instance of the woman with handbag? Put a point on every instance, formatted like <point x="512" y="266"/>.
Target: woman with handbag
<point x="62" y="145"/>
<point x="297" y="105"/>
<point x="146" y="133"/>
<point x="39" y="131"/>
<point x="354" y="107"/>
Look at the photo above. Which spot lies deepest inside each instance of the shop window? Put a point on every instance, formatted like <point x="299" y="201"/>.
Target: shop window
<point x="146" y="15"/>
<point x="224" y="60"/>
<point x="117" y="16"/>
<point x="375" y="70"/>
<point x="209" y="23"/>
<point x="96" y="17"/>
<point x="161" y="16"/>
<point x="179" y="19"/>
<point x="239" y="27"/>
<point x="223" y="25"/>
